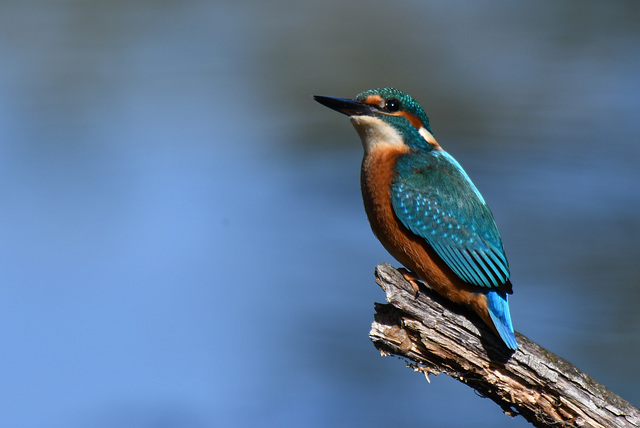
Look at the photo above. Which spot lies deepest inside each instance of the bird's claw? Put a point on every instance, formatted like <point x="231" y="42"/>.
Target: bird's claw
<point x="412" y="279"/>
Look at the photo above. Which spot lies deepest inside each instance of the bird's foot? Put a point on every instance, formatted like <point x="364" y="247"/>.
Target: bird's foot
<point x="412" y="279"/>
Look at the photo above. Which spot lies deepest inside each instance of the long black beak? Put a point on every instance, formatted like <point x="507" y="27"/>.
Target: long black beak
<point x="345" y="105"/>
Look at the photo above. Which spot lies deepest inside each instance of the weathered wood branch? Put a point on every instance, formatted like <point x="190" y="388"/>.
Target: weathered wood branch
<point x="441" y="337"/>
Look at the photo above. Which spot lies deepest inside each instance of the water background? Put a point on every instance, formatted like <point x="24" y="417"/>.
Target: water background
<point x="182" y="239"/>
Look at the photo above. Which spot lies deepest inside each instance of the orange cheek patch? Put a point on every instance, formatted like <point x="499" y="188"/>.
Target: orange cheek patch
<point x="412" y="118"/>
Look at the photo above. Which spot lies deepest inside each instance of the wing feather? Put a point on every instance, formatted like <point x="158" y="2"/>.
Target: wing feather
<point x="435" y="199"/>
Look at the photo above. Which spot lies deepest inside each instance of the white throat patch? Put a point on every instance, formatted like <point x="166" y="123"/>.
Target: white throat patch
<point x="376" y="133"/>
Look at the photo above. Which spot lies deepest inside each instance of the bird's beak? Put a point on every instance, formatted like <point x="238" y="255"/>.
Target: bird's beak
<point x="345" y="105"/>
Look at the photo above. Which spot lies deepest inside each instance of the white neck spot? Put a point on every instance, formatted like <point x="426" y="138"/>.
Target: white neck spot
<point x="428" y="136"/>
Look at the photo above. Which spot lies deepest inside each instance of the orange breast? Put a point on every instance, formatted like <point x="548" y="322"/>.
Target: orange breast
<point x="409" y="249"/>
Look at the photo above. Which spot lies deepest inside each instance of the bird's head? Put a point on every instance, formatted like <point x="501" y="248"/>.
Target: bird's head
<point x="386" y="117"/>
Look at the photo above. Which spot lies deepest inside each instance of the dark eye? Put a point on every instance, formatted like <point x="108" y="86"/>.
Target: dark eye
<point x="392" y="105"/>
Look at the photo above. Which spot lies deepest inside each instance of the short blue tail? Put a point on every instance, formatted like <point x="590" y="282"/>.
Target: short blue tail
<point x="498" y="305"/>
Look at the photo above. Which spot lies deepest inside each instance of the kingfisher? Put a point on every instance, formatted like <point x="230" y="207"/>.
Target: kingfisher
<point x="425" y="210"/>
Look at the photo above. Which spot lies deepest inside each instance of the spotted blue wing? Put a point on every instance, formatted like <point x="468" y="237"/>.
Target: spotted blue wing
<point x="435" y="199"/>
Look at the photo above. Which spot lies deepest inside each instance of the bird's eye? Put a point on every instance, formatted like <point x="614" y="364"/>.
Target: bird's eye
<point x="392" y="105"/>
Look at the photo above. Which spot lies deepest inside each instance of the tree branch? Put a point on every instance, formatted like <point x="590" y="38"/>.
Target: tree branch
<point x="441" y="337"/>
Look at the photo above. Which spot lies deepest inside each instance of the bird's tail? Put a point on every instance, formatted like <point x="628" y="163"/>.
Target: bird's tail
<point x="498" y="305"/>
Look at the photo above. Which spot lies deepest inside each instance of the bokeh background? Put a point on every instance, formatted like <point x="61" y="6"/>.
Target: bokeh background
<point x="182" y="240"/>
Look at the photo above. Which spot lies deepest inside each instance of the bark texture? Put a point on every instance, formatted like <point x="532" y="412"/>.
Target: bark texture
<point x="441" y="337"/>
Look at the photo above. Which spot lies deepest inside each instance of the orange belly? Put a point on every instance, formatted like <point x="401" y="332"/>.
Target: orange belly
<point x="409" y="249"/>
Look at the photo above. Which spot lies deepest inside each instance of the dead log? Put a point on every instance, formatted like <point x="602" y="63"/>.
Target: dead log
<point x="438" y="336"/>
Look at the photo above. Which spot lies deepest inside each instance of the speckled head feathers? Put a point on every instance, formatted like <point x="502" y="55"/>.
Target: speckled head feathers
<point x="403" y="113"/>
<point x="386" y="117"/>
<point x="397" y="103"/>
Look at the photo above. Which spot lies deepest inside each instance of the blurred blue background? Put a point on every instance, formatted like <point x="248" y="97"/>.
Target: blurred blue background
<point x="183" y="242"/>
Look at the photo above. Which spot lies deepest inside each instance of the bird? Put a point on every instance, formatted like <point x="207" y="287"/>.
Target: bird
<point x="425" y="210"/>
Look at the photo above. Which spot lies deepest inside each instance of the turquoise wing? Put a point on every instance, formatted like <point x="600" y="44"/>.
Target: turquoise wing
<point x="435" y="199"/>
